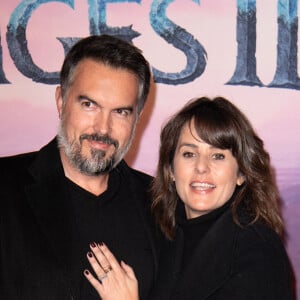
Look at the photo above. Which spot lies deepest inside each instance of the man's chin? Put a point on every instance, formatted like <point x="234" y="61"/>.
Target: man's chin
<point x="95" y="169"/>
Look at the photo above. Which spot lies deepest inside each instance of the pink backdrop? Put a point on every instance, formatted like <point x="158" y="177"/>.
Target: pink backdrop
<point x="28" y="115"/>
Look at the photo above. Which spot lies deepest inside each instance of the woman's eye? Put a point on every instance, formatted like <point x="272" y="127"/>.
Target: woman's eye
<point x="188" y="154"/>
<point x="218" y="156"/>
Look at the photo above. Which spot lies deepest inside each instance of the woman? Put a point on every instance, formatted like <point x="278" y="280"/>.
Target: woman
<point x="215" y="200"/>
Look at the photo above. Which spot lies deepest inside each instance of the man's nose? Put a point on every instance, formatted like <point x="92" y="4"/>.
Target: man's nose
<point x="102" y="123"/>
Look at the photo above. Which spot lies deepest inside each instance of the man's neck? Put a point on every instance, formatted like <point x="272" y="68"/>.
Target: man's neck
<point x="93" y="184"/>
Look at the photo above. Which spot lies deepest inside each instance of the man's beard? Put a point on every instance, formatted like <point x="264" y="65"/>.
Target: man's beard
<point x="96" y="164"/>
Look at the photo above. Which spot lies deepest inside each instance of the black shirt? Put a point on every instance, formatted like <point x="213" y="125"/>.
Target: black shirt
<point x="110" y="218"/>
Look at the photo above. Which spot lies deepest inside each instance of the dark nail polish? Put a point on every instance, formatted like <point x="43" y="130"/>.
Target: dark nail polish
<point x="100" y="244"/>
<point x="93" y="244"/>
<point x="86" y="272"/>
<point x="90" y="254"/>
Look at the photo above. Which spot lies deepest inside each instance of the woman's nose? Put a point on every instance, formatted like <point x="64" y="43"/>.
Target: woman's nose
<point x="202" y="165"/>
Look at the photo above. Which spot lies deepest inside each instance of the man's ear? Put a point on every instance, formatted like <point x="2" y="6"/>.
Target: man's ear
<point x="59" y="101"/>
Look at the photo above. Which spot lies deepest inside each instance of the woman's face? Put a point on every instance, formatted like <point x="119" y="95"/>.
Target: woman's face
<point x="205" y="176"/>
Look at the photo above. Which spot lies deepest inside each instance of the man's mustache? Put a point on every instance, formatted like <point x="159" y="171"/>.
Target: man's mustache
<point x="105" y="139"/>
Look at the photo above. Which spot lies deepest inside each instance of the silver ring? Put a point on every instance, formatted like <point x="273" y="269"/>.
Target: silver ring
<point x="102" y="277"/>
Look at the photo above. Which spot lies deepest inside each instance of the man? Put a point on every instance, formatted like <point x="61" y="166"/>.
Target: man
<point x="77" y="189"/>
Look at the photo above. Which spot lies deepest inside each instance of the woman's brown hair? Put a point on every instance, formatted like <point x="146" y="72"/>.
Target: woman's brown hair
<point x="221" y="124"/>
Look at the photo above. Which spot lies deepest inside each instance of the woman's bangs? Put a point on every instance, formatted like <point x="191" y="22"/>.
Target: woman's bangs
<point x="215" y="130"/>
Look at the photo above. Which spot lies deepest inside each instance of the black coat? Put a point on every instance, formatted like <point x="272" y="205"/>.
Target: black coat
<point x="229" y="263"/>
<point x="34" y="228"/>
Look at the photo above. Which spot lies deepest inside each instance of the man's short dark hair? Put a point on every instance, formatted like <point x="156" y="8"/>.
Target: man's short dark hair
<point x="110" y="51"/>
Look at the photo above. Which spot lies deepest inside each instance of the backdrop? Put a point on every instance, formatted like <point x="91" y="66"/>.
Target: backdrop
<point x="244" y="50"/>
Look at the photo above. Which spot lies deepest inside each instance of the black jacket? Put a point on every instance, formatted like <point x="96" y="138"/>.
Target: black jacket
<point x="34" y="227"/>
<point x="229" y="263"/>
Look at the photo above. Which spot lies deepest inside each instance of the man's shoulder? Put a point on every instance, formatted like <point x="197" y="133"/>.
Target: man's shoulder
<point x="141" y="175"/>
<point x="14" y="171"/>
<point x="47" y="154"/>
<point x="18" y="160"/>
<point x="134" y="174"/>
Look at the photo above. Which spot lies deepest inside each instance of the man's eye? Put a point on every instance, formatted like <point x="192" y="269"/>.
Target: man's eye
<point x="123" y="112"/>
<point x="87" y="104"/>
<point x="218" y="156"/>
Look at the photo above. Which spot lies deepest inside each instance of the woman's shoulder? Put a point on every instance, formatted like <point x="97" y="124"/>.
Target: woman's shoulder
<point x="259" y="233"/>
<point x="258" y="246"/>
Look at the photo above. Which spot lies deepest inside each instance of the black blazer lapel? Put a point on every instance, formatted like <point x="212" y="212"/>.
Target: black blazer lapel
<point x="139" y="191"/>
<point x="169" y="268"/>
<point x="47" y="203"/>
<point x="213" y="255"/>
<point x="46" y="199"/>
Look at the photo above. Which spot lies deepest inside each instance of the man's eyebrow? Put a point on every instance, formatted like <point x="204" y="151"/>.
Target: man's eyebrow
<point x="85" y="97"/>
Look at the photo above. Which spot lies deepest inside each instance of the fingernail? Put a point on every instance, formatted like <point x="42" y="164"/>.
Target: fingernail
<point x="90" y="254"/>
<point x="100" y="244"/>
<point x="93" y="244"/>
<point x="86" y="272"/>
